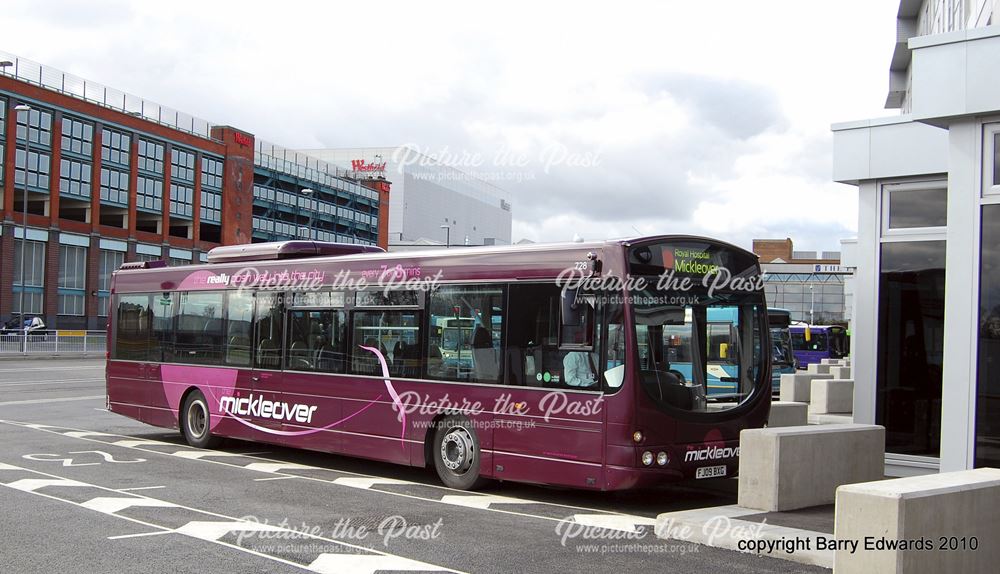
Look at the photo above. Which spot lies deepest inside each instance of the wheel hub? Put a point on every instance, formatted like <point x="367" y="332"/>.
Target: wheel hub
<point x="197" y="419"/>
<point x="457" y="450"/>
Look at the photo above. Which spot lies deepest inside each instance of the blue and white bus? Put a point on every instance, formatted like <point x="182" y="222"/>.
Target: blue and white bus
<point x="721" y="349"/>
<point x="782" y="358"/>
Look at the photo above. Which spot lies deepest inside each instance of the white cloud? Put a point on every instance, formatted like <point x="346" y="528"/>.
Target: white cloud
<point x="704" y="117"/>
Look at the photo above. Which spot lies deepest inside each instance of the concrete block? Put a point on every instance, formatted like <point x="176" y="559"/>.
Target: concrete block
<point x="831" y="396"/>
<point x="788" y="414"/>
<point x="797" y="467"/>
<point x="840" y="372"/>
<point x="845" y="419"/>
<point x="795" y="387"/>
<point x="958" y="509"/>
<point x="818" y="368"/>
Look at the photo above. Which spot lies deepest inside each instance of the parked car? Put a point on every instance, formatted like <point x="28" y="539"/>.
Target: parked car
<point x="30" y="324"/>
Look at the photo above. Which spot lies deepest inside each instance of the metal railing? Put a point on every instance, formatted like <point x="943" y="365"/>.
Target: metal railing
<point x="48" y="77"/>
<point x="53" y="342"/>
<point x="302" y="165"/>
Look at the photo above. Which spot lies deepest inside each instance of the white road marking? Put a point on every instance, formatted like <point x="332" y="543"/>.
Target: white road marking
<point x="367" y="481"/>
<point x="361" y="481"/>
<point x="135" y="443"/>
<point x="4" y="466"/>
<point x="355" y="563"/>
<point x="111" y="505"/>
<point x="198" y="454"/>
<point x="60" y="382"/>
<point x="82" y="434"/>
<point x="482" y="501"/>
<point x="80" y="368"/>
<point x="141" y="534"/>
<point x="214" y="530"/>
<point x="140" y="488"/>
<point x="33" y="484"/>
<point x="623" y="523"/>
<point x="273" y="467"/>
<point x="57" y="400"/>
<point x="273" y="478"/>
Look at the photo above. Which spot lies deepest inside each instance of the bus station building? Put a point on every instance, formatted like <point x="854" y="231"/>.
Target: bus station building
<point x="926" y="325"/>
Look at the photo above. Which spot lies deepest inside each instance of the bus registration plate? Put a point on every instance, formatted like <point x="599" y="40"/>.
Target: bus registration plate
<point x="710" y="472"/>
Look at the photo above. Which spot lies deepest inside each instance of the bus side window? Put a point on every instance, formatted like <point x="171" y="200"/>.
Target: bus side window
<point x="268" y="331"/>
<point x="396" y="335"/>
<point x="133" y="322"/>
<point x="198" y="338"/>
<point x="465" y="342"/>
<point x="315" y="341"/>
<point x="533" y="322"/>
<point x="239" y="317"/>
<point x="163" y="308"/>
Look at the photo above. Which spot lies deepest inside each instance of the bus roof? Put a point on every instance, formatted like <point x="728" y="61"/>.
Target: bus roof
<point x="532" y="261"/>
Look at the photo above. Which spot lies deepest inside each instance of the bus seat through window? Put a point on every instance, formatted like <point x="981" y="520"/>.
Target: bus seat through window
<point x="298" y="356"/>
<point x="269" y="356"/>
<point x="485" y="364"/>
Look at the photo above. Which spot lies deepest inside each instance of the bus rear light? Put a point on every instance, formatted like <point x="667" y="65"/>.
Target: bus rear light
<point x="637" y="436"/>
<point x="647" y="458"/>
<point x="662" y="458"/>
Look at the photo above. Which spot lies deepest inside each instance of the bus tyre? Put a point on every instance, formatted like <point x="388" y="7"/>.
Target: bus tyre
<point x="196" y="422"/>
<point x="456" y="453"/>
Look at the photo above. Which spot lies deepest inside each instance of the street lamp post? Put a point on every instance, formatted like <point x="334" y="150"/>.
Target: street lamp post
<point x="812" y="305"/>
<point x="447" y="240"/>
<point x="308" y="193"/>
<point x="26" y="109"/>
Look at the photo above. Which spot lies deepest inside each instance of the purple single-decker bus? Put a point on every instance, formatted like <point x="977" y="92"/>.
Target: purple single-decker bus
<point x="512" y="363"/>
<point x="813" y="343"/>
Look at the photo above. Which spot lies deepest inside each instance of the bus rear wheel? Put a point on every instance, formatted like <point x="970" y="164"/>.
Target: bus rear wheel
<point x="196" y="422"/>
<point x="457" y="454"/>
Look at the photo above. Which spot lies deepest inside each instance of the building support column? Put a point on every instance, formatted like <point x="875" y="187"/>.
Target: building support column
<point x="961" y="292"/>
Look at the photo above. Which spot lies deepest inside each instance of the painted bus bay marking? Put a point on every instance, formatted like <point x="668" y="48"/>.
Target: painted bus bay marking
<point x="369" y="482"/>
<point x="62" y="382"/>
<point x="33" y="484"/>
<point x="611" y="522"/>
<point x="111" y="504"/>
<point x="55" y="400"/>
<point x="212" y="527"/>
<point x="140" y="535"/>
<point x="32" y="369"/>
<point x="481" y="501"/>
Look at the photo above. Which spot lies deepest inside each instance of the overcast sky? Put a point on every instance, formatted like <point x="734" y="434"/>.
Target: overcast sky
<point x="602" y="119"/>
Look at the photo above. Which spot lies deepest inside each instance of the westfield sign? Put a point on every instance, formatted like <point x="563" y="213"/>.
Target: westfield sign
<point x="361" y="165"/>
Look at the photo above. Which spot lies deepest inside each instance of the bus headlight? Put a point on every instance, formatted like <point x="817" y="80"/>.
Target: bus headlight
<point x="662" y="458"/>
<point x="637" y="436"/>
<point x="647" y="458"/>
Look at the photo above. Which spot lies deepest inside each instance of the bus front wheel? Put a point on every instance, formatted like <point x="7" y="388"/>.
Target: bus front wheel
<point x="196" y="422"/>
<point x="457" y="454"/>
